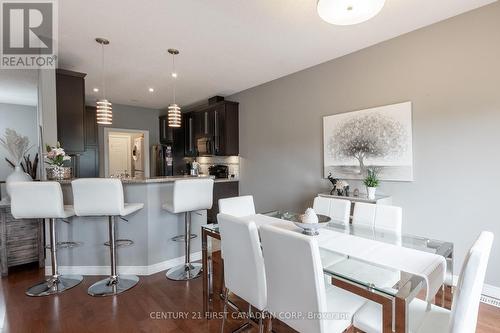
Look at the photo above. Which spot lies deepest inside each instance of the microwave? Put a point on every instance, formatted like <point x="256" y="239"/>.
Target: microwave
<point x="205" y="146"/>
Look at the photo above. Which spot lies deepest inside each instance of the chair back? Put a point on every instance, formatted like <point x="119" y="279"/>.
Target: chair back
<point x="337" y="209"/>
<point x="364" y="214"/>
<point x="294" y="276"/>
<point x="31" y="200"/>
<point x="237" y="206"/>
<point x="470" y="285"/>
<point x="98" y="197"/>
<point x="190" y="195"/>
<point x="244" y="272"/>
<point x="389" y="218"/>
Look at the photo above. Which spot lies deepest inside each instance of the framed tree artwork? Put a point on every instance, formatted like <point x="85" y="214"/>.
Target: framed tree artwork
<point x="378" y="138"/>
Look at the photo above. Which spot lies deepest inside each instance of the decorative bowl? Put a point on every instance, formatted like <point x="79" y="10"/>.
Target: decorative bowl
<point x="311" y="229"/>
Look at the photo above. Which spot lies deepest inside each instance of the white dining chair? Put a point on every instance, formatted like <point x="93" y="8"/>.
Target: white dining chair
<point x="389" y="218"/>
<point x="337" y="209"/>
<point x="364" y="214"/>
<point x="463" y="316"/>
<point x="237" y="206"/>
<point x="295" y="284"/>
<point x="244" y="271"/>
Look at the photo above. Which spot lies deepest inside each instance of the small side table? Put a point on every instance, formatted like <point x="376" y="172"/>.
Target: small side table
<point x="21" y="241"/>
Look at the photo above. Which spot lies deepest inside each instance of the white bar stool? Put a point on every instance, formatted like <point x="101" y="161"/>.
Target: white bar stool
<point x="44" y="200"/>
<point x="104" y="197"/>
<point x="189" y="195"/>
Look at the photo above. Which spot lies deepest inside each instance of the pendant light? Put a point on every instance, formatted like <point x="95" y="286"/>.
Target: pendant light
<point x="104" y="111"/>
<point x="348" y="12"/>
<point x="174" y="110"/>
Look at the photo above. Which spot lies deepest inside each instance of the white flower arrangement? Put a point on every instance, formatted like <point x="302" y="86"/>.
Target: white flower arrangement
<point x="56" y="156"/>
<point x="16" y="145"/>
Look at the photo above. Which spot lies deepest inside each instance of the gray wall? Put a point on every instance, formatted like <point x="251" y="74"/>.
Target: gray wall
<point x="131" y="117"/>
<point x="22" y="119"/>
<point x="451" y="73"/>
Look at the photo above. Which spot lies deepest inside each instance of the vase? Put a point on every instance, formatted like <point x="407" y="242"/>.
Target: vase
<point x="18" y="175"/>
<point x="58" y="173"/>
<point x="371" y="192"/>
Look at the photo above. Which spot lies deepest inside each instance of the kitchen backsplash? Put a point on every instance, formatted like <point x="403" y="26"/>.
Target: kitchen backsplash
<point x="233" y="162"/>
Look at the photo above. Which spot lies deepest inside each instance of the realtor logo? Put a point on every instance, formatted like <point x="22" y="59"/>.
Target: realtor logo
<point x="28" y="34"/>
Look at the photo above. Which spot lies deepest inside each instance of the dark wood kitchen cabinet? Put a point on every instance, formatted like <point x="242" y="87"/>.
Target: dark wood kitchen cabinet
<point x="88" y="161"/>
<point x="218" y="122"/>
<point x="222" y="190"/>
<point x="166" y="133"/>
<point x="190" y="122"/>
<point x="70" y="97"/>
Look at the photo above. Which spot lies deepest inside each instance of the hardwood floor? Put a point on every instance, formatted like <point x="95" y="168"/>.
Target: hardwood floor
<point x="155" y="305"/>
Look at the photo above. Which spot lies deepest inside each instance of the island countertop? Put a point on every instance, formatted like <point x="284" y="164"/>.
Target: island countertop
<point x="147" y="180"/>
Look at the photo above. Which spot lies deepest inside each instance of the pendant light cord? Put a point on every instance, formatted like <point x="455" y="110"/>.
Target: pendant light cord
<point x="102" y="72"/>
<point x="173" y="77"/>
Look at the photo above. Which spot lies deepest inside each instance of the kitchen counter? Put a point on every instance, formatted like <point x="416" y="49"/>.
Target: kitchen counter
<point x="149" y="180"/>
<point x="165" y="179"/>
<point x="151" y="228"/>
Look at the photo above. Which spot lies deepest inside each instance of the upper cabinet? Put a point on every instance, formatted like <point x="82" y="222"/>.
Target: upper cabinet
<point x="70" y="90"/>
<point x="212" y="129"/>
<point x="166" y="133"/>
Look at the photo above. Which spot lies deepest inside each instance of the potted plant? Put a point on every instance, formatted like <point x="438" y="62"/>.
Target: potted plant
<point x="55" y="158"/>
<point x="371" y="182"/>
<point x="16" y="145"/>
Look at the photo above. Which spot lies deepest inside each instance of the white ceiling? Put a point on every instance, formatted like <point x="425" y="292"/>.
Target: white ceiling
<point x="226" y="45"/>
<point x="19" y="86"/>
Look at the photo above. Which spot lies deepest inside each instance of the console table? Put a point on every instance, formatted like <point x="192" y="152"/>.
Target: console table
<point x="362" y="197"/>
<point x="21" y="241"/>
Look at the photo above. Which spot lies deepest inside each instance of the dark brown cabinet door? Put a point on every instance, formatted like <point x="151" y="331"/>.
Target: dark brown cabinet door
<point x="90" y="126"/>
<point x="189" y="134"/>
<point x="70" y="90"/>
<point x="226" y="129"/>
<point x="221" y="190"/>
<point x="166" y="132"/>
<point x="88" y="161"/>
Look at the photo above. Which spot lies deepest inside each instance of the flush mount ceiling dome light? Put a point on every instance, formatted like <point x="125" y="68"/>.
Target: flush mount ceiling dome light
<point x="174" y="110"/>
<point x="104" y="109"/>
<point x="348" y="12"/>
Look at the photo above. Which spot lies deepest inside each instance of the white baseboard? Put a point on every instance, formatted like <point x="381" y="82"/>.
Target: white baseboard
<point x="135" y="270"/>
<point x="490" y="294"/>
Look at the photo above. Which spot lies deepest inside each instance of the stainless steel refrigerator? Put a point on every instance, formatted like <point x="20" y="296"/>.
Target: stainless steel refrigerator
<point x="162" y="156"/>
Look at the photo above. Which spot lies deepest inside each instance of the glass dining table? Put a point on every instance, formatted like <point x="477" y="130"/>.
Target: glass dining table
<point x="392" y="289"/>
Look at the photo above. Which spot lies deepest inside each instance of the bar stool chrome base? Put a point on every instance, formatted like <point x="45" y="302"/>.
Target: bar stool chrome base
<point x="184" y="272"/>
<point x="54" y="285"/>
<point x="113" y="286"/>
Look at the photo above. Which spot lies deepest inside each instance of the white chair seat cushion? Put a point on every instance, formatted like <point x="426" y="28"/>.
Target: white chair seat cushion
<point x="68" y="211"/>
<point x="369" y="318"/>
<point x="341" y="305"/>
<point x="130" y="208"/>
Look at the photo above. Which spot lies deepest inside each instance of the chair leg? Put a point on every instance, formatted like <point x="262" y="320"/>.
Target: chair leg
<point x="269" y="323"/>
<point x="188" y="270"/>
<point x="226" y="297"/>
<point x="114" y="284"/>
<point x="55" y="283"/>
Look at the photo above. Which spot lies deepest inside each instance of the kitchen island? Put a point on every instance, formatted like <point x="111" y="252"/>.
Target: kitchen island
<point x="151" y="229"/>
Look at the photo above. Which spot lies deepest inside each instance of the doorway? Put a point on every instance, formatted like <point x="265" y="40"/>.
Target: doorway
<point x="126" y="153"/>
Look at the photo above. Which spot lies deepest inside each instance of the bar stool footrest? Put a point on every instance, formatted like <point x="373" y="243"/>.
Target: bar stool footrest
<point x="66" y="245"/>
<point x="180" y="238"/>
<point x="121" y="242"/>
